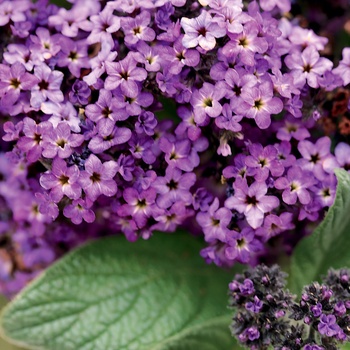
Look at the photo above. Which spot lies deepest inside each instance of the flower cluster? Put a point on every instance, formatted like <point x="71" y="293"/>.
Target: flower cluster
<point x="264" y="309"/>
<point x="83" y="96"/>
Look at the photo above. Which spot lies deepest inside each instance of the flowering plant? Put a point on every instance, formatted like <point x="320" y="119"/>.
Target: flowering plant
<point x="124" y="120"/>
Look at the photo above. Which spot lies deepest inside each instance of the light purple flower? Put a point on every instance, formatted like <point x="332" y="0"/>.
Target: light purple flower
<point x="61" y="180"/>
<point x="242" y="246"/>
<point x="201" y="31"/>
<point x="258" y="103"/>
<point x="251" y="201"/>
<point x="125" y="74"/>
<point x="33" y="139"/>
<point x="13" y="11"/>
<point x="60" y="142"/>
<point x="307" y="66"/>
<point x="264" y="161"/>
<point x="268" y="5"/>
<point x="140" y="205"/>
<point x="246" y="44"/>
<point x="205" y="101"/>
<point x="104" y="24"/>
<point x="97" y="178"/>
<point x="314" y="155"/>
<point x="78" y="211"/>
<point x="48" y="86"/>
<point x="343" y="69"/>
<point x="62" y="113"/>
<point x="295" y="186"/>
<point x="105" y="112"/>
<point x="214" y="222"/>
<point x="136" y="29"/>
<point x="44" y="45"/>
<point x="12" y="80"/>
<point x="174" y="186"/>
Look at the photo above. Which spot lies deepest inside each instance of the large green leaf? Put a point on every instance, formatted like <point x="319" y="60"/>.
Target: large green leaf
<point x="329" y="245"/>
<point x="115" y="295"/>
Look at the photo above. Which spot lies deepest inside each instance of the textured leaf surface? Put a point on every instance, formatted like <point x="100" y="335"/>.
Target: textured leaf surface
<point x="329" y="244"/>
<point x="115" y="295"/>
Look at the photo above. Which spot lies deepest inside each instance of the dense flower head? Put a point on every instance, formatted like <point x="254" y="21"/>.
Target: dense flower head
<point x="261" y="303"/>
<point x="150" y="115"/>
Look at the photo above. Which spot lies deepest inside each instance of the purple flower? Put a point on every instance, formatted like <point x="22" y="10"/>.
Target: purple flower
<point x="48" y="86"/>
<point x="171" y="218"/>
<point x="104" y="24"/>
<point x="314" y="155"/>
<point x="263" y="161"/>
<point x="307" y="66"/>
<point x="246" y="43"/>
<point x="201" y="31"/>
<point x="62" y="113"/>
<point x="146" y="123"/>
<point x="140" y="205"/>
<point x="68" y="22"/>
<point x="44" y="45"/>
<point x="61" y="180"/>
<point x="206" y="102"/>
<point x="247" y="287"/>
<point x="47" y="205"/>
<point x="80" y="93"/>
<point x="174" y="186"/>
<point x="78" y="211"/>
<point x="98" y="63"/>
<point x="250" y="333"/>
<point x="214" y="222"/>
<point x="328" y="325"/>
<point x="343" y="70"/>
<point x="258" y="103"/>
<point x="19" y="53"/>
<point x="242" y="246"/>
<point x="33" y="139"/>
<point x="109" y="138"/>
<point x="60" y="141"/>
<point x="295" y="186"/>
<point x="188" y="125"/>
<point x="268" y="5"/>
<point x="180" y="56"/>
<point x="254" y="306"/>
<point x="73" y="55"/>
<point x="316" y="310"/>
<point x="98" y="177"/>
<point x="13" y="11"/>
<point x="12" y="80"/>
<point x="252" y="201"/>
<point x="125" y="74"/>
<point x="105" y="112"/>
<point x="274" y="225"/>
<point x="136" y="29"/>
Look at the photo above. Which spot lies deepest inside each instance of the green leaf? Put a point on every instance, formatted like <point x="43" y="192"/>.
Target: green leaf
<point x="115" y="295"/>
<point x="329" y="245"/>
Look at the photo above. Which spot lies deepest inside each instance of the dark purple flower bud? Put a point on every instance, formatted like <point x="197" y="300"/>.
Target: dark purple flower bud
<point x="254" y="306"/>
<point x="317" y="310"/>
<point x="328" y="325"/>
<point x="340" y="308"/>
<point x="247" y="287"/>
